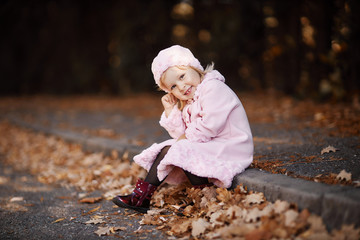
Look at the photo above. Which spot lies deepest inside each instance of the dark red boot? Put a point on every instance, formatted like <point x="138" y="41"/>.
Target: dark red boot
<point x="139" y="199"/>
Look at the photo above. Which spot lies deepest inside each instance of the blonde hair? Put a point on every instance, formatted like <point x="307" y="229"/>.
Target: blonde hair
<point x="182" y="103"/>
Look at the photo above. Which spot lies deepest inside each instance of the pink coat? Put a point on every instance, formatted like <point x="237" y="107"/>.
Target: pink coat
<point x="219" y="142"/>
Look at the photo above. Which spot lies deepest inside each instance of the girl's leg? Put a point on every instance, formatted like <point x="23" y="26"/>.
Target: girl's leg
<point x="152" y="175"/>
<point x="139" y="199"/>
<point x="196" y="180"/>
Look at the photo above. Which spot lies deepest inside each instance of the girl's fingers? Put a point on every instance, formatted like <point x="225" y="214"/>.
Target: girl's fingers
<point x="173" y="99"/>
<point x="170" y="98"/>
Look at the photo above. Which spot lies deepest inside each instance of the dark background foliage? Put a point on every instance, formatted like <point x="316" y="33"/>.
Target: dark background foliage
<point x="304" y="48"/>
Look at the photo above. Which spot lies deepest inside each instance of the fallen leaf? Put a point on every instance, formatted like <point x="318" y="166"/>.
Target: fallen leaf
<point x="94" y="221"/>
<point x="346" y="232"/>
<point x="329" y="149"/>
<point x="114" y="229"/>
<point x="155" y="211"/>
<point x="82" y="195"/>
<point x="290" y="217"/>
<point x="91" y="211"/>
<point x="209" y="193"/>
<point x="223" y="195"/>
<point x="235" y="211"/>
<point x="216" y="218"/>
<point x="318" y="116"/>
<point x="146" y="220"/>
<point x="253" y="215"/>
<point x="182" y="226"/>
<point x="14" y="207"/>
<point x="199" y="227"/>
<point x="3" y="180"/>
<point x="90" y="200"/>
<point x="16" y="199"/>
<point x="343" y="175"/>
<point x="103" y="231"/>
<point x="125" y="155"/>
<point x="189" y="210"/>
<point x="139" y="230"/>
<point x="258" y="234"/>
<point x="228" y="232"/>
<point x="58" y="220"/>
<point x="254" y="198"/>
<point x="316" y="224"/>
<point x="281" y="206"/>
<point x="356" y="183"/>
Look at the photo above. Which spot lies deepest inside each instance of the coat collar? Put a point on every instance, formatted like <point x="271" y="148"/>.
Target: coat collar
<point x="212" y="75"/>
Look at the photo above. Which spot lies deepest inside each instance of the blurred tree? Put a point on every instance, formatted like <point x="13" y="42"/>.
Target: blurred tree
<point x="301" y="47"/>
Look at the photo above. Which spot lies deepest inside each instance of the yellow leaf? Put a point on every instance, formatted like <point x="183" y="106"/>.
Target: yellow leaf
<point x="91" y="211"/>
<point x="58" y="220"/>
<point x="90" y="200"/>
<point x="223" y="195"/>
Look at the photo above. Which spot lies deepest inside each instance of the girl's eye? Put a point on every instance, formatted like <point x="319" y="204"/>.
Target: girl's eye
<point x="172" y="87"/>
<point x="182" y="76"/>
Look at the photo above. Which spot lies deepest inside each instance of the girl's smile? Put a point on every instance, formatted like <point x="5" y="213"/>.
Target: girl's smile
<point x="181" y="82"/>
<point x="188" y="91"/>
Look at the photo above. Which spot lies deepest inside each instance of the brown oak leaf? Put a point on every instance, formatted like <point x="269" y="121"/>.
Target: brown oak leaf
<point x="199" y="226"/>
<point x="328" y="149"/>
<point x="343" y="175"/>
<point x="254" y="198"/>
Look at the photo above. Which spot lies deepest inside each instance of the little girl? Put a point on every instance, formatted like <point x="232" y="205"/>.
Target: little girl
<point x="211" y="137"/>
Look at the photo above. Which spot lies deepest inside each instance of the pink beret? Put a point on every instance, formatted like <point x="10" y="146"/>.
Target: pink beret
<point x="170" y="57"/>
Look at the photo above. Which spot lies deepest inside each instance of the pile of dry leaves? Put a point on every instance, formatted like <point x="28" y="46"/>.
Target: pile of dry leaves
<point x="181" y="211"/>
<point x="55" y="161"/>
<point x="216" y="213"/>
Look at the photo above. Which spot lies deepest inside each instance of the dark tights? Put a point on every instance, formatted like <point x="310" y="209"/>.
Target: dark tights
<point x="152" y="175"/>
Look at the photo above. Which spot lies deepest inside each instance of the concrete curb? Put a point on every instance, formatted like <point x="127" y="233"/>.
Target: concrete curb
<point x="336" y="205"/>
<point x="93" y="144"/>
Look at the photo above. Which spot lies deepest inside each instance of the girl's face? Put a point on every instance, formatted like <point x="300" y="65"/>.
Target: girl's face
<point x="181" y="82"/>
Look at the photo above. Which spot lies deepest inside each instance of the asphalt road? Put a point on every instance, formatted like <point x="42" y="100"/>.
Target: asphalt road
<point x="32" y="210"/>
<point x="297" y="149"/>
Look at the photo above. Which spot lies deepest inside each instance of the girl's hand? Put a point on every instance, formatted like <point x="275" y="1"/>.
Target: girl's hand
<point x="168" y="101"/>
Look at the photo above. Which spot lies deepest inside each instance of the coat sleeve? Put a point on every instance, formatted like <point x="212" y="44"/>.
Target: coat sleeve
<point x="217" y="101"/>
<point x="174" y="123"/>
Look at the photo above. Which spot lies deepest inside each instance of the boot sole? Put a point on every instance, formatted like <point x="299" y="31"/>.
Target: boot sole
<point x="124" y="205"/>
